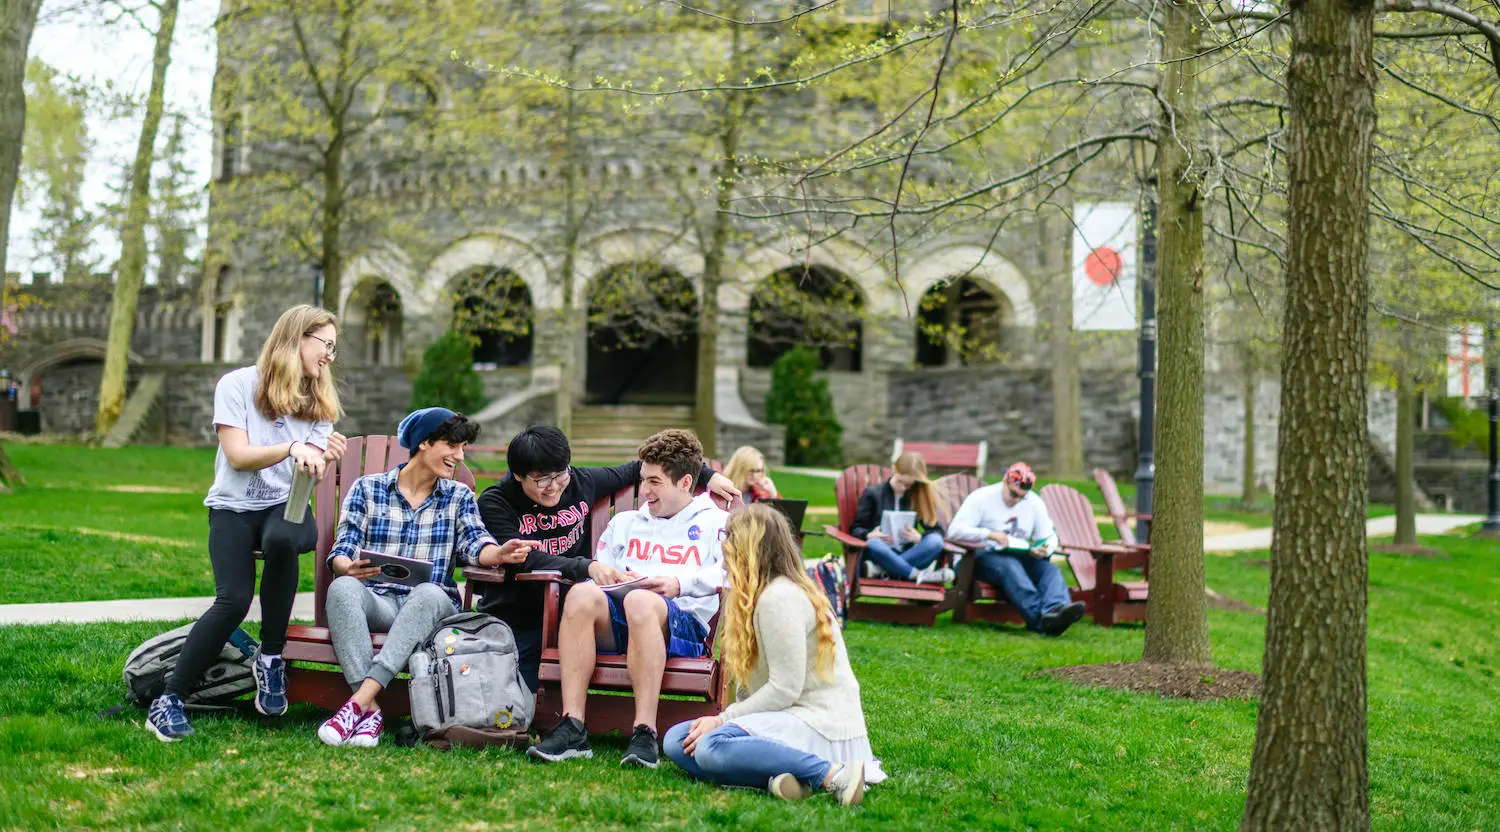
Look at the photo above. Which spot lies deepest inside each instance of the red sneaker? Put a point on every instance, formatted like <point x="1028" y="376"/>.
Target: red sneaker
<point x="367" y="732"/>
<point x="341" y="726"/>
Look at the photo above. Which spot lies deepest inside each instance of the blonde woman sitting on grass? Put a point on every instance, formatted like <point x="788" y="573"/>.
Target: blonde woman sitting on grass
<point x="747" y="470"/>
<point x="798" y="725"/>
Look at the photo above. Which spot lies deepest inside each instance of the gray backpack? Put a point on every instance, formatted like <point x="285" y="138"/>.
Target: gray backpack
<point x="468" y="675"/>
<point x="227" y="679"/>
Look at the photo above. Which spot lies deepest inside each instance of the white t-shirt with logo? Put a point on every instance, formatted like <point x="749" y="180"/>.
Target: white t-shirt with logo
<point x="1026" y="523"/>
<point x="234" y="406"/>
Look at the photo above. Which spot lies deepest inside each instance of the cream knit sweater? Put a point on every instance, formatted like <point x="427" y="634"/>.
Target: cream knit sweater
<point x="785" y="677"/>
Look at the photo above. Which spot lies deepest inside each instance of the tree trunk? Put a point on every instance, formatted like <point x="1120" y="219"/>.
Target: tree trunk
<point x="333" y="222"/>
<point x="1248" y="488"/>
<point x="8" y="474"/>
<point x="706" y="404"/>
<point x="1177" y="613"/>
<point x="1067" y="412"/>
<point x="1406" y="481"/>
<point x="572" y="230"/>
<point x="1309" y="767"/>
<point x="133" y="235"/>
<point x="17" y="20"/>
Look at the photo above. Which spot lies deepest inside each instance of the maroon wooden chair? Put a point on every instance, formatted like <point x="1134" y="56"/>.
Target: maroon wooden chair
<point x="320" y="685"/>
<point x="696" y="687"/>
<point x="1116" y="508"/>
<point x="956" y="457"/>
<point x="881" y="599"/>
<point x="1095" y="562"/>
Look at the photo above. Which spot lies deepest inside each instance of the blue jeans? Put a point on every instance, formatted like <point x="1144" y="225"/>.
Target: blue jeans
<point x="1034" y="585"/>
<point x="730" y="756"/>
<point x="904" y="563"/>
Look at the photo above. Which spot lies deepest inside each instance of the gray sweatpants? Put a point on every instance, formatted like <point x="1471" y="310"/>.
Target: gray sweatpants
<point x="354" y="612"/>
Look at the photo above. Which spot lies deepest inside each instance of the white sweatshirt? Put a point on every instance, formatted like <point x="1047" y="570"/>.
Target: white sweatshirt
<point x="684" y="546"/>
<point x="1026" y="523"/>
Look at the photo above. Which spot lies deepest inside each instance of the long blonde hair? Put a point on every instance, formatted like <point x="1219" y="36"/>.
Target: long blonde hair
<point x="758" y="549"/>
<point x="283" y="389"/>
<point x="744" y="459"/>
<point x="923" y="501"/>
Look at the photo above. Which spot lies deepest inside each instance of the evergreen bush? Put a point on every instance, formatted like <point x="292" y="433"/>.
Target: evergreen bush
<point x="447" y="378"/>
<point x="801" y="401"/>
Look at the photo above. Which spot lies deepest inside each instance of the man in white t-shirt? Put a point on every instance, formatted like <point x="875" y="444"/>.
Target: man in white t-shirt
<point x="672" y="546"/>
<point x="1012" y="526"/>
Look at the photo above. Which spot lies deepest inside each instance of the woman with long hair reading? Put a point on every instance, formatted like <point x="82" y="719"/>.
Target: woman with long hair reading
<point x="905" y="552"/>
<point x="797" y="726"/>
<point x="272" y="419"/>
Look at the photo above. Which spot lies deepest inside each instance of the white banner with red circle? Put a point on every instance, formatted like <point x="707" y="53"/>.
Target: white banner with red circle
<point x="1104" y="240"/>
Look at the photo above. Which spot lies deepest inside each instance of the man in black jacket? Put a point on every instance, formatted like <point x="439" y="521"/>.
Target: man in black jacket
<point x="543" y="498"/>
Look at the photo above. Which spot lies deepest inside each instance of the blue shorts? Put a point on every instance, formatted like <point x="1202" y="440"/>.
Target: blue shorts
<point x="685" y="633"/>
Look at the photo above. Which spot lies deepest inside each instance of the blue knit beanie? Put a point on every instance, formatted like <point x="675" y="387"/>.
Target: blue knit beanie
<point x="419" y="425"/>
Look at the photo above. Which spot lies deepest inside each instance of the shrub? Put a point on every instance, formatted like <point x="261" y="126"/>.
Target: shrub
<point x="800" y="400"/>
<point x="447" y="378"/>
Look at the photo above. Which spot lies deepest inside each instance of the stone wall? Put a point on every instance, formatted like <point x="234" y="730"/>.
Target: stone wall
<point x="72" y="393"/>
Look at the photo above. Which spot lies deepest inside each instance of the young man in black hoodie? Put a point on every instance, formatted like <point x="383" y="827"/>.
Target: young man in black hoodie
<point x="543" y="498"/>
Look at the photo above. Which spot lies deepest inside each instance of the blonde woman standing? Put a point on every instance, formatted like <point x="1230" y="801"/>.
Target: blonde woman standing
<point x="747" y="470"/>
<point x="271" y="419"/>
<point x="798" y="725"/>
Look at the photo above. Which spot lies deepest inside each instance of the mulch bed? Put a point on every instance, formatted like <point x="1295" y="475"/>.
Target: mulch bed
<point x="1169" y="680"/>
<point x="1409" y="551"/>
<point x="1224" y="602"/>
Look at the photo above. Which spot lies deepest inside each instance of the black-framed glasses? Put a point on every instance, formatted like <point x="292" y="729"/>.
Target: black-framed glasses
<point x="333" y="348"/>
<point x="547" y="481"/>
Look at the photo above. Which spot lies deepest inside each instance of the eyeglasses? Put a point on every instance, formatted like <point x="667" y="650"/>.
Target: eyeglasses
<point x="757" y="470"/>
<point x="549" y="480"/>
<point x="333" y="348"/>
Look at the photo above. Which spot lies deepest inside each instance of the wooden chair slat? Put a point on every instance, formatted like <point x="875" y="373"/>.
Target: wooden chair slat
<point x="1115" y="506"/>
<point x="1109" y="601"/>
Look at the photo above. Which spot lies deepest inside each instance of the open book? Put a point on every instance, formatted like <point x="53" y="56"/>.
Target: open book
<point x="892" y="522"/>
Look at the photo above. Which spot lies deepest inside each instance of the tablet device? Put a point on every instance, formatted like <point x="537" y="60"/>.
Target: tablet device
<point x="793" y="510"/>
<point x="398" y="570"/>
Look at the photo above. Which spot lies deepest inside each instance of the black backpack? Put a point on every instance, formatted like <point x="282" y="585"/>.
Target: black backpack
<point x="226" y="680"/>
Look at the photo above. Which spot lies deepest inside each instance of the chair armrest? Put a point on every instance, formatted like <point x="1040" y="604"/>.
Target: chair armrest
<point x="812" y="532"/>
<point x="844" y="537"/>
<point x="483" y="574"/>
<point x="545" y="576"/>
<point x="1105" y="551"/>
<point x="1146" y="517"/>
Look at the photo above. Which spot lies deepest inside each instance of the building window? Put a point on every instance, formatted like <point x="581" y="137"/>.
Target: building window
<point x="493" y="307"/>
<point x="813" y="307"/>
<point x="961" y="322"/>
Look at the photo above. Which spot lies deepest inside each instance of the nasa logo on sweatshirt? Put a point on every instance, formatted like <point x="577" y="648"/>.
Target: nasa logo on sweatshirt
<point x="694" y="533"/>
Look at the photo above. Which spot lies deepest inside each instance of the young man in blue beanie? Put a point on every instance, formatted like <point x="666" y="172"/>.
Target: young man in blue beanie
<point x="415" y="511"/>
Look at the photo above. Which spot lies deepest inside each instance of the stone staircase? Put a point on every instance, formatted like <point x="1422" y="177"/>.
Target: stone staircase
<point x="142" y="412"/>
<point x="611" y="433"/>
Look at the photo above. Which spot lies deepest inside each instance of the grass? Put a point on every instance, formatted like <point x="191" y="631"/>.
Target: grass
<point x="972" y="738"/>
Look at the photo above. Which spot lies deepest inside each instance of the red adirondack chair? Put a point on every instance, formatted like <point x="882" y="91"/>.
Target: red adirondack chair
<point x="899" y="602"/>
<point x="320" y="685"/>
<point x="959" y="456"/>
<point x="1116" y="508"/>
<point x="696" y="686"/>
<point x="1094" y="562"/>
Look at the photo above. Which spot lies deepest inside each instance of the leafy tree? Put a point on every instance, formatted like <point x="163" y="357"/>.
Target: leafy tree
<point x="53" y="162"/>
<point x="133" y="249"/>
<point x="800" y="400"/>
<point x="447" y="378"/>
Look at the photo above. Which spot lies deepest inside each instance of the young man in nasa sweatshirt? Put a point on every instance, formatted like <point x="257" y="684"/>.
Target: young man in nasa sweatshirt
<point x="674" y="543"/>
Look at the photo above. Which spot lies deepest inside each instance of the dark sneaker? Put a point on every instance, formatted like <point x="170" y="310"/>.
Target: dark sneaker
<point x="270" y="686"/>
<point x="1058" y="619"/>
<point x="167" y="720"/>
<point x="339" y="728"/>
<point x="566" y="741"/>
<point x="641" y="752"/>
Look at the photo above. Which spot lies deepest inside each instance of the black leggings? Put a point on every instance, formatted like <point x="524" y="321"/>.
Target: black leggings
<point x="233" y="537"/>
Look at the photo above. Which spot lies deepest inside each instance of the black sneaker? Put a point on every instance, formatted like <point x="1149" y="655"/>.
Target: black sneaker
<point x="567" y="740"/>
<point x="1058" y="619"/>
<point x="641" y="752"/>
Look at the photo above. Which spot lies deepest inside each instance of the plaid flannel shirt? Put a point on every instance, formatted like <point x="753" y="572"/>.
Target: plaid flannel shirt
<point x="445" y="527"/>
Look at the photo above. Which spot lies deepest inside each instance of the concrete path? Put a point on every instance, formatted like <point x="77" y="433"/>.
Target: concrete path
<point x="146" y="609"/>
<point x="1380" y="526"/>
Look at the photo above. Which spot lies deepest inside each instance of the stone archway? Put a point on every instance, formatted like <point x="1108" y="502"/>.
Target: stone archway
<point x="642" y="336"/>
<point x="57" y="355"/>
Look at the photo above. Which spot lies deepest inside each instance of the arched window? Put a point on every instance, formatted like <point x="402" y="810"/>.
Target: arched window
<point x="374" y="320"/>
<point x="493" y="307"/>
<point x="961" y="321"/>
<point x="642" y="336"/>
<point x="229" y="147"/>
<point x="408" y="101"/>
<point x="814" y="307"/>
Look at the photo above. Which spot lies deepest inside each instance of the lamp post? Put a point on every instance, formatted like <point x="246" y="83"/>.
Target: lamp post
<point x="1491" y="525"/>
<point x="1145" y="472"/>
<point x="317" y="284"/>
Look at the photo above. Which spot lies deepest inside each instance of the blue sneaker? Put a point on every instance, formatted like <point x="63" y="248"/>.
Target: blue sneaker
<point x="270" y="686"/>
<point x="167" y="720"/>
